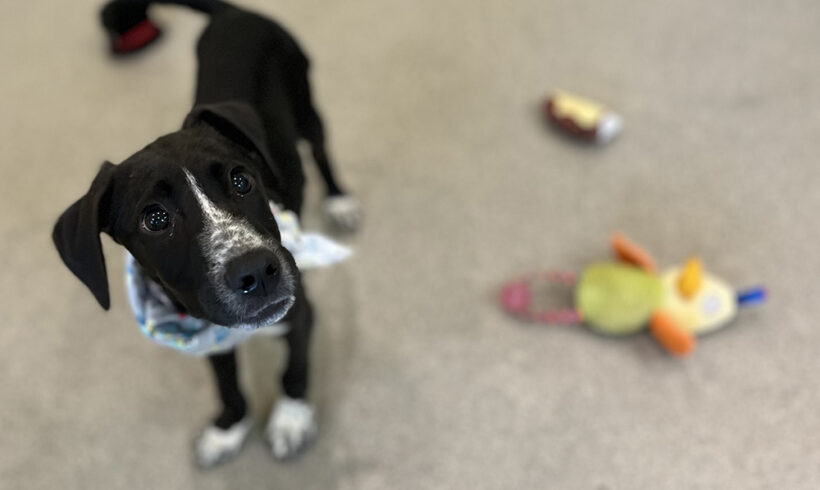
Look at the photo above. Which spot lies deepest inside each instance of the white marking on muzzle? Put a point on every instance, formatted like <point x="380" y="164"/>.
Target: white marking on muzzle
<point x="224" y="237"/>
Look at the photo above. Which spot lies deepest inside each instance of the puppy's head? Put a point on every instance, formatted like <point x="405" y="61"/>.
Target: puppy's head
<point x="192" y="208"/>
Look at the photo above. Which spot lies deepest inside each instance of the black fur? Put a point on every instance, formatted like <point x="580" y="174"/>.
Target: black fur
<point x="252" y="105"/>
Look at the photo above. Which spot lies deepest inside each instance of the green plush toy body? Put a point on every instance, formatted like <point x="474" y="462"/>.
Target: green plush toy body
<point x="617" y="299"/>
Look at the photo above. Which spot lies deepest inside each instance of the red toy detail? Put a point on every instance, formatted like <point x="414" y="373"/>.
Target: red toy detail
<point x="135" y="38"/>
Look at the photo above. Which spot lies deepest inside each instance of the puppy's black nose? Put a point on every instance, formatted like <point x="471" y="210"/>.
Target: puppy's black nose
<point x="255" y="272"/>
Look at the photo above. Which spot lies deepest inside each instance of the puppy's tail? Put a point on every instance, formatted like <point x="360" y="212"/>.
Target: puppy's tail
<point x="129" y="27"/>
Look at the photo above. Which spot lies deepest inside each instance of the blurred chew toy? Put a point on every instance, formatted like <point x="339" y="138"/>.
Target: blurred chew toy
<point x="128" y="26"/>
<point x="582" y="117"/>
<point x="626" y="296"/>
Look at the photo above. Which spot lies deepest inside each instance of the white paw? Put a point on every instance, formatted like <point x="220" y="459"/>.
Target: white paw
<point x="215" y="445"/>
<point x="291" y="427"/>
<point x="343" y="211"/>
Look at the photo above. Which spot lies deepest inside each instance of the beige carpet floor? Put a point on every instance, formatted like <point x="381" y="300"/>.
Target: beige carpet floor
<point x="420" y="380"/>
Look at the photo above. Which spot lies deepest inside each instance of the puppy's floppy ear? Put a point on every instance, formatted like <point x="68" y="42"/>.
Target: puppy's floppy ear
<point x="77" y="235"/>
<point x="238" y="122"/>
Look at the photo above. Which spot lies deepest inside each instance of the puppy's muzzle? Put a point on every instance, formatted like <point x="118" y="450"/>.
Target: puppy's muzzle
<point x="255" y="274"/>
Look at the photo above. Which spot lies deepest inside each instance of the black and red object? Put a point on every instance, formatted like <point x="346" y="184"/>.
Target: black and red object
<point x="128" y="26"/>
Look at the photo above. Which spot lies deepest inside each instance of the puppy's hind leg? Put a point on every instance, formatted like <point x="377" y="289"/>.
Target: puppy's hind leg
<point x="292" y="425"/>
<point x="223" y="439"/>
<point x="342" y="209"/>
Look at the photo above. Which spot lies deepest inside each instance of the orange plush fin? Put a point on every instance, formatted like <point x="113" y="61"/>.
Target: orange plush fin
<point x="672" y="337"/>
<point x="630" y="252"/>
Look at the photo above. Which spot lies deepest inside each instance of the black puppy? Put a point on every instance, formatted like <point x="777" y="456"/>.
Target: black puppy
<point x="193" y="206"/>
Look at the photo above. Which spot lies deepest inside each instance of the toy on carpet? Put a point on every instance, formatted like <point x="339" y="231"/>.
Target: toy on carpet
<point x="583" y="118"/>
<point x="626" y="296"/>
<point x="129" y="28"/>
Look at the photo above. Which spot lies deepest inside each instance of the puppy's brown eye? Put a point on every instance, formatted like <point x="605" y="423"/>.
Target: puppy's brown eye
<point x="241" y="181"/>
<point x="155" y="218"/>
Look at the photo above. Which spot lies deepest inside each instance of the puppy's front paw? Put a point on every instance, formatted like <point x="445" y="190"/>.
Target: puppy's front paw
<point x="343" y="211"/>
<point x="291" y="427"/>
<point x="215" y="445"/>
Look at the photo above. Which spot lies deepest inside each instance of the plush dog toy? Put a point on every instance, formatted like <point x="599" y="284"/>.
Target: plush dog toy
<point x="626" y="296"/>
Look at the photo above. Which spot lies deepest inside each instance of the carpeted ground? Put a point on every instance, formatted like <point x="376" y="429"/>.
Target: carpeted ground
<point x="420" y="380"/>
